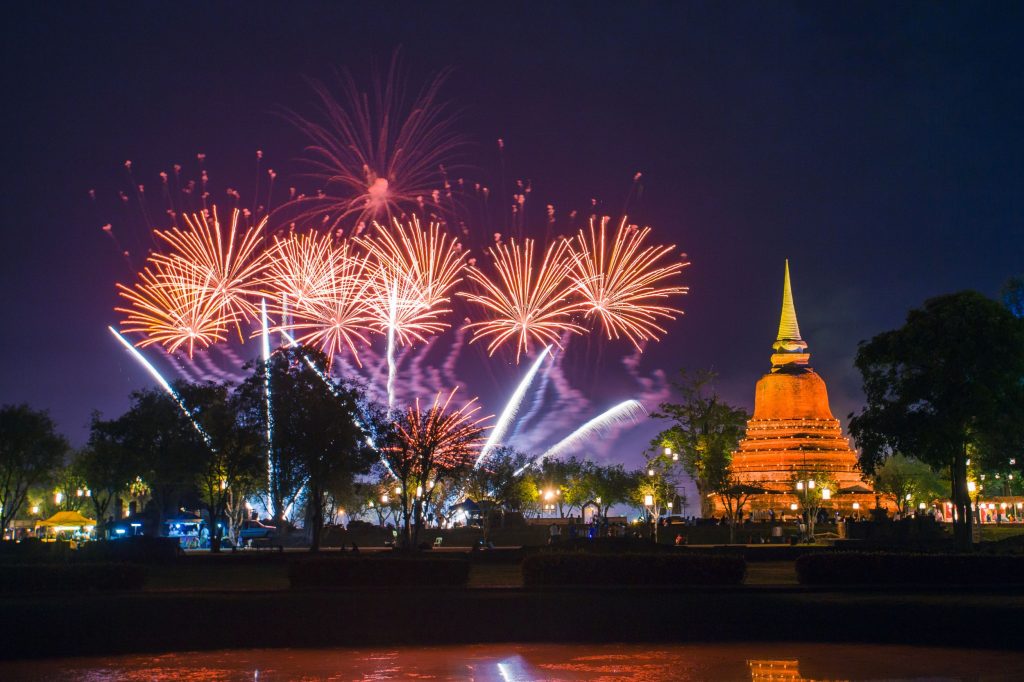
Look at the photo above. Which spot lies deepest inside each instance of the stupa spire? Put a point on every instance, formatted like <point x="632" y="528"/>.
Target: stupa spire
<point x="788" y="327"/>
<point x="790" y="349"/>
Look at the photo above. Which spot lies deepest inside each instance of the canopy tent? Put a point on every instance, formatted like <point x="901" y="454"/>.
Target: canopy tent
<point x="66" y="520"/>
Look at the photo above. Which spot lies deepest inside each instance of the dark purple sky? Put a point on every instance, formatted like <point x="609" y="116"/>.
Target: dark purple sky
<point x="878" y="146"/>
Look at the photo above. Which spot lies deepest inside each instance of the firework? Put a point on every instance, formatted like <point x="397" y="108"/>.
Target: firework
<point x="172" y="305"/>
<point x="337" y="313"/>
<point x="525" y="302"/>
<point x="377" y="154"/>
<point x="224" y="267"/>
<point x="163" y="384"/>
<point x="299" y="268"/>
<point x="623" y="282"/>
<point x="414" y="271"/>
<point x="509" y="413"/>
<point x="453" y="435"/>
<point x="628" y="411"/>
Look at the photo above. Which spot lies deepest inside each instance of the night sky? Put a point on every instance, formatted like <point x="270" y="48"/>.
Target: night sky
<point x="878" y="146"/>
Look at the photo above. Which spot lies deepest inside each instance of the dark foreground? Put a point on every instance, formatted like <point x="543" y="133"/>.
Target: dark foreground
<point x="522" y="662"/>
<point x="106" y="624"/>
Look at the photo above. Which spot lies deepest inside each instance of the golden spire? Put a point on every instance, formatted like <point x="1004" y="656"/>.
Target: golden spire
<point x="788" y="327"/>
<point x="790" y="349"/>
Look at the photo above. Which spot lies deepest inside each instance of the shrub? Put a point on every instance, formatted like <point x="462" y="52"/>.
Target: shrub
<point x="71" y="577"/>
<point x="378" y="571"/>
<point x="139" y="549"/>
<point x="632" y="569"/>
<point x="923" y="569"/>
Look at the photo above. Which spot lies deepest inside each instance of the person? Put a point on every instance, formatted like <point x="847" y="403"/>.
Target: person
<point x="771" y="515"/>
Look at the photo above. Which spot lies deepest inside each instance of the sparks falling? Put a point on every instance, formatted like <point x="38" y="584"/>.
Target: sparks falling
<point x="623" y="282"/>
<point x="525" y="302"/>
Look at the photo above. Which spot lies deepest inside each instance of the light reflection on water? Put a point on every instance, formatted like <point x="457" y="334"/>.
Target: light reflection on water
<point x="530" y="662"/>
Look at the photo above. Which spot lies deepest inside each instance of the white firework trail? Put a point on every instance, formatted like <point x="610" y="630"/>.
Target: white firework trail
<point x="536" y="404"/>
<point x="626" y="412"/>
<point x="511" y="409"/>
<point x="163" y="383"/>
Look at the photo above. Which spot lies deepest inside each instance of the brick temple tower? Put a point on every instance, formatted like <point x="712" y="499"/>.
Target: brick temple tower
<point x="793" y="429"/>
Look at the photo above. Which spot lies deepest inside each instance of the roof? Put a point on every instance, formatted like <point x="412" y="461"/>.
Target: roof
<point x="67" y="518"/>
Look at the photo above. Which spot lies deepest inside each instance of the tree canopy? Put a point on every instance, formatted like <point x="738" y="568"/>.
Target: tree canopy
<point x="946" y="387"/>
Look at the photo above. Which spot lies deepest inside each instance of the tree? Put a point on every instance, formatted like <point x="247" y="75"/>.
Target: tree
<point x="69" y="482"/>
<point x="232" y="461"/>
<point x="705" y="431"/>
<point x="610" y="485"/>
<point x="905" y="481"/>
<point x="557" y="483"/>
<point x="1013" y="295"/>
<point x="166" y="444"/>
<point x="733" y="494"/>
<point x="421" y="447"/>
<point x="813" y="489"/>
<point x="496" y="480"/>
<point x="946" y="387"/>
<point x="652" y="492"/>
<point x="106" y="465"/>
<point x="311" y="432"/>
<point x="30" y="452"/>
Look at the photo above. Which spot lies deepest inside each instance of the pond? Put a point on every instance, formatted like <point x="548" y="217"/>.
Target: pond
<point x="526" y="662"/>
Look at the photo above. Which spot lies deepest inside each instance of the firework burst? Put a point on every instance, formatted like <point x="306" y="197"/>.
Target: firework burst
<point x="172" y="305"/>
<point x="453" y="435"/>
<point x="526" y="301"/>
<point x="299" y="268"/>
<point x="222" y="267"/>
<point x="377" y="154"/>
<point x="622" y="281"/>
<point x="337" y="313"/>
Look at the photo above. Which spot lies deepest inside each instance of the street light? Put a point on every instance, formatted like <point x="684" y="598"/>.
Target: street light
<point x="650" y="472"/>
<point x="826" y="494"/>
<point x="648" y="500"/>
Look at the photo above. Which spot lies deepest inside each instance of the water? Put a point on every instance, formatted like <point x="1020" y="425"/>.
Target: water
<point x="528" y="662"/>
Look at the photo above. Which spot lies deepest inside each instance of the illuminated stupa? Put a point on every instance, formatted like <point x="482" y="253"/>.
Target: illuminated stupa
<point x="793" y="430"/>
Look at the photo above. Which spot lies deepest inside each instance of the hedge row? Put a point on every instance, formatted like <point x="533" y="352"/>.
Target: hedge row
<point x="632" y="569"/>
<point x="923" y="569"/>
<point x="71" y="577"/>
<point x="378" y="572"/>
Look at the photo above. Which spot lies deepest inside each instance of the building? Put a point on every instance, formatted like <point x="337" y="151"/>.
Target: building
<point x="793" y="435"/>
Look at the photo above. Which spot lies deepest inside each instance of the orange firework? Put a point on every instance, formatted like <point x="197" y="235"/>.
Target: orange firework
<point x="338" y="312"/>
<point x="414" y="273"/>
<point x="623" y="281"/>
<point x="526" y="302"/>
<point x="299" y="267"/>
<point x="168" y="307"/>
<point x="440" y="437"/>
<point x="224" y="267"/>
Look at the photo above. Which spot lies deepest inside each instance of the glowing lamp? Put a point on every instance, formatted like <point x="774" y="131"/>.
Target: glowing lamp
<point x="826" y="494"/>
<point x="792" y="507"/>
<point x="856" y="505"/>
<point x="921" y="506"/>
<point x="908" y="497"/>
<point x="799" y="485"/>
<point x="648" y="500"/>
<point x="650" y="472"/>
<point x="597" y="500"/>
<point x="58" y="497"/>
<point x="971" y="486"/>
<point x="810" y="484"/>
<point x="669" y="505"/>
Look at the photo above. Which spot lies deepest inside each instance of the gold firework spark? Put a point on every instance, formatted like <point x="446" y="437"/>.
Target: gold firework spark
<point x="448" y="437"/>
<point x="299" y="267"/>
<point x="169" y="308"/>
<point x="623" y="282"/>
<point x="526" y="302"/>
<point x="225" y="267"/>
<point x="414" y="272"/>
<point x="338" y="312"/>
